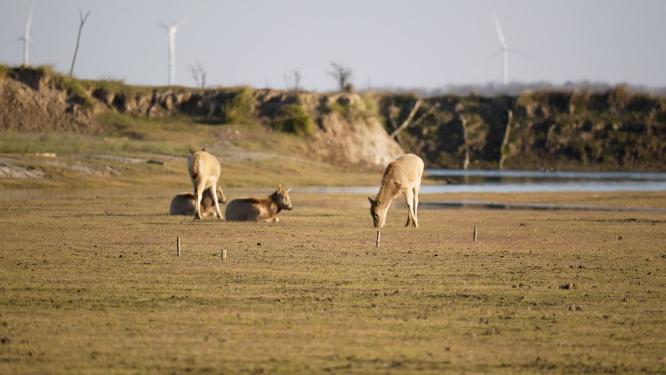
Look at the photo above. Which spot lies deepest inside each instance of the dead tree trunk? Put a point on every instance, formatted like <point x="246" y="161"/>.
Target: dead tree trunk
<point x="82" y="21"/>
<point x="505" y="140"/>
<point x="463" y="124"/>
<point x="408" y="120"/>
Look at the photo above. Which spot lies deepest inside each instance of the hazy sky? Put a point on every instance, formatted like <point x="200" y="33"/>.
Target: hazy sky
<point x="415" y="43"/>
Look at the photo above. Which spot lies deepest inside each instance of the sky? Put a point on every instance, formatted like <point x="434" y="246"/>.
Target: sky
<point x="387" y="43"/>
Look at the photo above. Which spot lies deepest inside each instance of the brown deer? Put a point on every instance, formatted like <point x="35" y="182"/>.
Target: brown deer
<point x="402" y="175"/>
<point x="204" y="170"/>
<point x="186" y="203"/>
<point x="255" y="209"/>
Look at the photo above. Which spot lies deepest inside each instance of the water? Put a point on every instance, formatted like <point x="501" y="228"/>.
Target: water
<point x="508" y="181"/>
<point x="623" y="175"/>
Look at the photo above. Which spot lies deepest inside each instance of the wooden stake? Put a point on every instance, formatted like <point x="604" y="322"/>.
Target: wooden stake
<point x="223" y="255"/>
<point x="476" y="233"/>
<point x="178" y="246"/>
<point x="378" y="239"/>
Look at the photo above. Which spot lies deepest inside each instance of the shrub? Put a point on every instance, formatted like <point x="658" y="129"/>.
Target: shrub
<point x="241" y="107"/>
<point x="294" y="119"/>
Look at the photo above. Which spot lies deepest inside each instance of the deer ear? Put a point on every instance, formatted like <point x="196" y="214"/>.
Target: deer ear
<point x="192" y="151"/>
<point x="288" y="190"/>
<point x="203" y="149"/>
<point x="279" y="186"/>
<point x="371" y="201"/>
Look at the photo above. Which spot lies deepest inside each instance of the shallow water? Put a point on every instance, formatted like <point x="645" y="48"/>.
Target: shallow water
<point x="570" y="175"/>
<point x="508" y="181"/>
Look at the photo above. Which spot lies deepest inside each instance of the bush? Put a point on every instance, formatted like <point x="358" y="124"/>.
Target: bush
<point x="241" y="108"/>
<point x="294" y="119"/>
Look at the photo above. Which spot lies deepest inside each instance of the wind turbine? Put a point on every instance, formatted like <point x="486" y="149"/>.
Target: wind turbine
<point x="172" y="30"/>
<point x="26" y="36"/>
<point x="504" y="49"/>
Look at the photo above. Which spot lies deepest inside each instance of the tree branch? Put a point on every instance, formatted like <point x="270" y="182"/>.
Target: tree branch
<point x="407" y="120"/>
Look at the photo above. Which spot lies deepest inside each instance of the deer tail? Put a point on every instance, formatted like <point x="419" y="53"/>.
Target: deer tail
<point x="194" y="167"/>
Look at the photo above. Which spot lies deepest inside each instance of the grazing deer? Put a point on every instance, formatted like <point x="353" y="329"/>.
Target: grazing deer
<point x="204" y="171"/>
<point x="255" y="209"/>
<point x="186" y="203"/>
<point x="403" y="175"/>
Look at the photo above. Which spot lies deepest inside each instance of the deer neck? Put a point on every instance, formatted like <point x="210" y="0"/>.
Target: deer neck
<point x="272" y="204"/>
<point x="385" y="196"/>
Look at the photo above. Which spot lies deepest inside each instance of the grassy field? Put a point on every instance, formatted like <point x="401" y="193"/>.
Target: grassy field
<point x="90" y="283"/>
<point x="251" y="156"/>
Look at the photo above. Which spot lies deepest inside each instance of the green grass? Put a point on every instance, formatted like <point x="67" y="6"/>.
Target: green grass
<point x="72" y="143"/>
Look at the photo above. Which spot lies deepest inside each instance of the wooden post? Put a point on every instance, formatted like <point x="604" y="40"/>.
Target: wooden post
<point x="475" y="234"/>
<point x="223" y="255"/>
<point x="178" y="246"/>
<point x="378" y="239"/>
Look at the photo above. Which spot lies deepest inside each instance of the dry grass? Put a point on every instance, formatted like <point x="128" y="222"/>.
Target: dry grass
<point x="91" y="283"/>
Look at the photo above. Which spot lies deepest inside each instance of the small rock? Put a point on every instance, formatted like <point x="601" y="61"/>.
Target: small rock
<point x="568" y="286"/>
<point x="575" y="308"/>
<point x="619" y="238"/>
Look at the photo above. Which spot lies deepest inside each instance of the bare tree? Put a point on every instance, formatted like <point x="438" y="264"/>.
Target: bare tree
<point x="408" y="120"/>
<point x="342" y="76"/>
<point x="293" y="80"/>
<point x="505" y="140"/>
<point x="198" y="74"/>
<point x="82" y="21"/>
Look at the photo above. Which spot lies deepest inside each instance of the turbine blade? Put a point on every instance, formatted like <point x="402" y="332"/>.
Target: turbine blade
<point x="514" y="51"/>
<point x="29" y="23"/>
<point x="497" y="53"/>
<point x="500" y="34"/>
<point x="162" y="25"/>
<point x="180" y="22"/>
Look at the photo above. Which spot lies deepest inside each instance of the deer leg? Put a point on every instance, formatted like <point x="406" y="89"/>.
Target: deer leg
<point x="416" y="207"/>
<point x="409" y="198"/>
<point x="213" y="190"/>
<point x="224" y="197"/>
<point x="199" y="195"/>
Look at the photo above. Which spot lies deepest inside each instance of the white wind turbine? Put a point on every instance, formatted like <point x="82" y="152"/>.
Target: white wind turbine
<point x="172" y="30"/>
<point x="26" y="36"/>
<point x="504" y="50"/>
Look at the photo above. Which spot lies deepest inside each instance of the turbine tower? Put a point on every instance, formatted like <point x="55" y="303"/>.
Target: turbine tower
<point x="26" y="37"/>
<point x="504" y="50"/>
<point x="172" y="30"/>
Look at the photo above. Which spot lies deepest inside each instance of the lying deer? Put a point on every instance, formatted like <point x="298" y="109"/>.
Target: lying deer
<point x="204" y="170"/>
<point x="402" y="175"/>
<point x="255" y="209"/>
<point x="186" y="203"/>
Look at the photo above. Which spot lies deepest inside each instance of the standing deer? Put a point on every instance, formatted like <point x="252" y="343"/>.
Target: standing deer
<point x="255" y="209"/>
<point x="204" y="171"/>
<point x="403" y="175"/>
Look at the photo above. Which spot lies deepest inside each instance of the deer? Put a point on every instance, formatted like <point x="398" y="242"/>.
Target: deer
<point x="402" y="176"/>
<point x="186" y="203"/>
<point x="204" y="170"/>
<point x="255" y="209"/>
